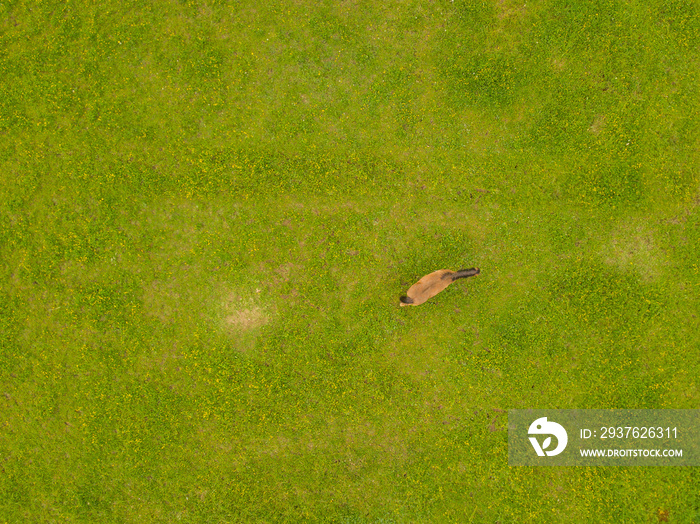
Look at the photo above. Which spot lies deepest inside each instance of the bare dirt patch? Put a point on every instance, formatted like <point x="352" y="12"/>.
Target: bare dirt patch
<point x="246" y="318"/>
<point x="510" y="8"/>
<point x="633" y="247"/>
<point x="558" y="64"/>
<point x="597" y="125"/>
<point x="243" y="313"/>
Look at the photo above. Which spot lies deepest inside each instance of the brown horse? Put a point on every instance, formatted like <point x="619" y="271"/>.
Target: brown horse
<point x="431" y="284"/>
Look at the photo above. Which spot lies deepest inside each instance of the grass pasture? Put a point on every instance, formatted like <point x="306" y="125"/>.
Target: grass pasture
<point x="208" y="212"/>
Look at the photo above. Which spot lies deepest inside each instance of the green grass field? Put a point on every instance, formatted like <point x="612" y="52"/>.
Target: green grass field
<point x="208" y="212"/>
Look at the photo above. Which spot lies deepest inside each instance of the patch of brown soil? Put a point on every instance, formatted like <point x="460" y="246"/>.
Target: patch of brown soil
<point x="633" y="247"/>
<point x="597" y="125"/>
<point x="246" y="318"/>
<point x="243" y="313"/>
